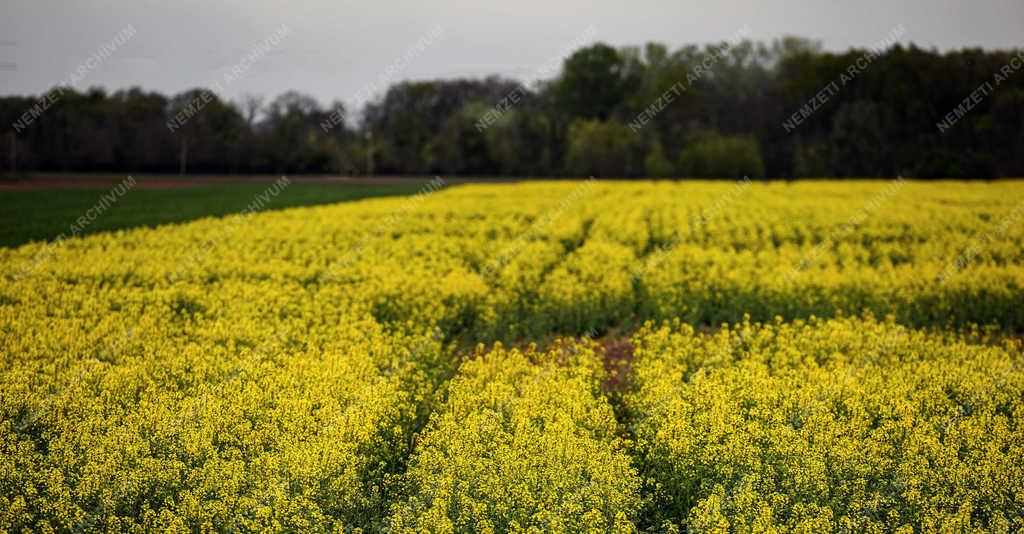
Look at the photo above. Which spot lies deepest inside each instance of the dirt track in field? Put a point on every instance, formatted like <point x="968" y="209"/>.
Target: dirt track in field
<point x="43" y="181"/>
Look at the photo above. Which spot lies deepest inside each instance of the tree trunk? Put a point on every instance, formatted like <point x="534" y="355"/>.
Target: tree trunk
<point x="369" y="152"/>
<point x="14" y="156"/>
<point x="184" y="156"/>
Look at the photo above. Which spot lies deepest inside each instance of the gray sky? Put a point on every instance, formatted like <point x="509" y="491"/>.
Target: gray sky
<point x="335" y="47"/>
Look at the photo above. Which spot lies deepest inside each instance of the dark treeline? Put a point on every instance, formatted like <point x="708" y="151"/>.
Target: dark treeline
<point x="785" y="109"/>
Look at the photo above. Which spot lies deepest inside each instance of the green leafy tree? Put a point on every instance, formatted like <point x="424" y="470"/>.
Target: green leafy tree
<point x="716" y="156"/>
<point x="604" y="149"/>
<point x="656" y="165"/>
<point x="593" y="82"/>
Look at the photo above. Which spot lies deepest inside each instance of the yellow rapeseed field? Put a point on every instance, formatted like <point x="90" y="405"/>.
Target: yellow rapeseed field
<point x="820" y="356"/>
<point x="823" y="426"/>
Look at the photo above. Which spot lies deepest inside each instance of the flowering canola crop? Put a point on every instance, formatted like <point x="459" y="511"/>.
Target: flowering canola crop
<point x="820" y="426"/>
<point x="524" y="442"/>
<point x="305" y="369"/>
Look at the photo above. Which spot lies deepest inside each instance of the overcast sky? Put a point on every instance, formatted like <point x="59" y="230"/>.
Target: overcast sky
<point x="336" y="47"/>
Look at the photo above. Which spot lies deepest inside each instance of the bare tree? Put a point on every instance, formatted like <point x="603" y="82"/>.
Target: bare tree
<point x="251" y="105"/>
